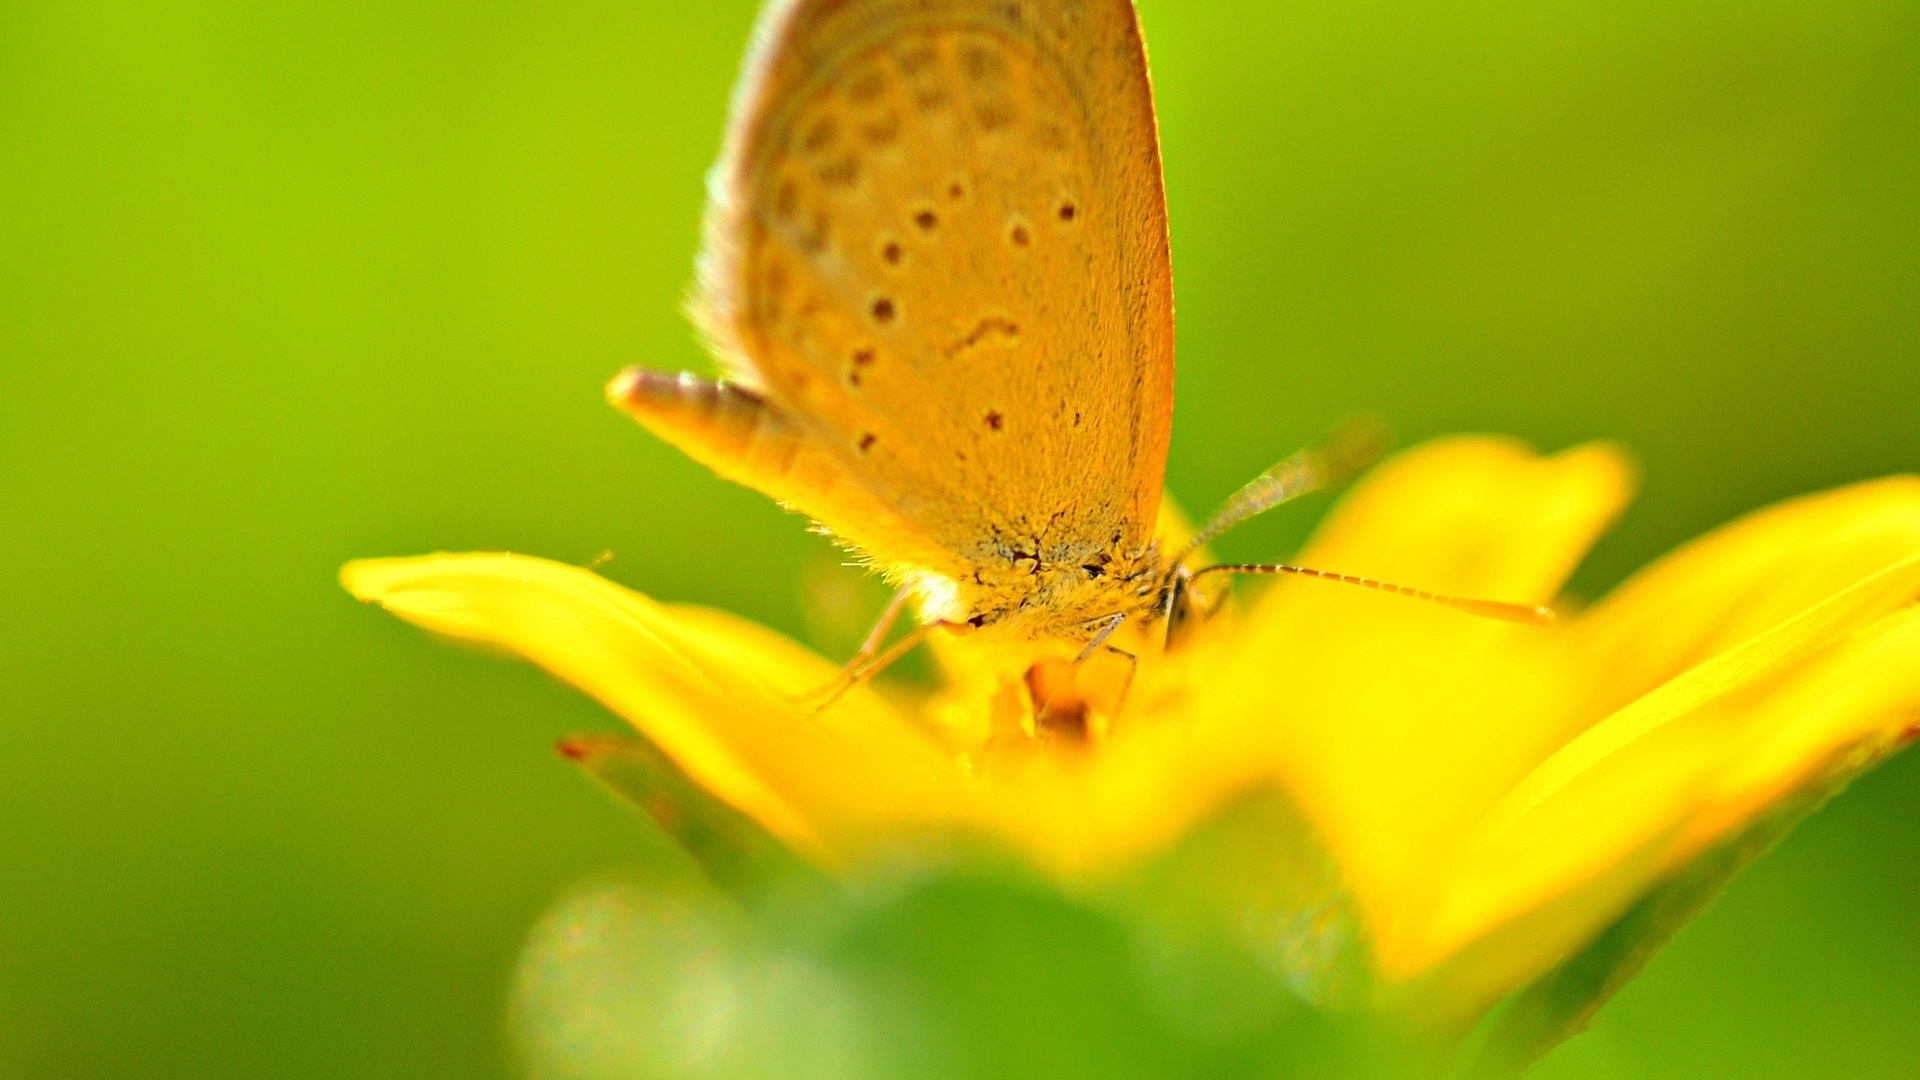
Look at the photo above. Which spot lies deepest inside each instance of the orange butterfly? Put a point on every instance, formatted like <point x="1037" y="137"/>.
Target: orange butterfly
<point x="936" y="274"/>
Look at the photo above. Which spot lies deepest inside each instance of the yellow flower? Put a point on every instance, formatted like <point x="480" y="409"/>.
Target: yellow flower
<point x="1494" y="795"/>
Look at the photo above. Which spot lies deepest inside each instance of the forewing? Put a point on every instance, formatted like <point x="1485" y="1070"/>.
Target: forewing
<point x="937" y="240"/>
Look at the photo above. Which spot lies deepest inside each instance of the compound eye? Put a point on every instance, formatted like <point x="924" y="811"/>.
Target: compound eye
<point x="1186" y="611"/>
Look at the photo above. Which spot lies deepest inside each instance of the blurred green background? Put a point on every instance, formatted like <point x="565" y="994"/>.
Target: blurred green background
<point x="286" y="283"/>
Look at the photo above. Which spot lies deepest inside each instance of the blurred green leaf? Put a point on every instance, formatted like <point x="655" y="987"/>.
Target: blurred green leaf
<point x="971" y="974"/>
<point x="733" y="849"/>
<point x="664" y="977"/>
<point x="1252" y="884"/>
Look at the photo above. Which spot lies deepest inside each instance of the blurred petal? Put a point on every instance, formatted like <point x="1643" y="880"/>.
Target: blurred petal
<point x="1742" y="579"/>
<point x="1473" y="516"/>
<point x="714" y="692"/>
<point x="1398" y="724"/>
<point x="1693" y="761"/>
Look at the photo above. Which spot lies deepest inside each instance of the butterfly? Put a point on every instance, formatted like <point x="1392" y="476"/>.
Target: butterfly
<point x="936" y="273"/>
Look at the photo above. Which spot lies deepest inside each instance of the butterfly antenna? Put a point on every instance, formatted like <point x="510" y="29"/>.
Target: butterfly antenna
<point x="1528" y="614"/>
<point x="1348" y="449"/>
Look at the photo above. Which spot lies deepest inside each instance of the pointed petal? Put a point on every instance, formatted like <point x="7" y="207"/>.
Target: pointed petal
<point x="1474" y="517"/>
<point x="1687" y="765"/>
<point x="1398" y="724"/>
<point x="1741" y="580"/>
<point x="715" y="693"/>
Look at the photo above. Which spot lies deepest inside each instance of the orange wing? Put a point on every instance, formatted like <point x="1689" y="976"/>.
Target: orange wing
<point x="936" y="257"/>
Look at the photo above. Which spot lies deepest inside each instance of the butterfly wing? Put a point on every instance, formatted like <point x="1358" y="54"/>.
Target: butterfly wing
<point x="936" y="244"/>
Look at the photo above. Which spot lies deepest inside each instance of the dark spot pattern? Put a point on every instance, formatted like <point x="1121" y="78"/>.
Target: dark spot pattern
<point x="881" y="131"/>
<point x="866" y="86"/>
<point x="814" y="239"/>
<point x="914" y="59"/>
<point x="993" y="115"/>
<point x="862" y="359"/>
<point x="822" y="133"/>
<point x="992" y="324"/>
<point x="841" y="172"/>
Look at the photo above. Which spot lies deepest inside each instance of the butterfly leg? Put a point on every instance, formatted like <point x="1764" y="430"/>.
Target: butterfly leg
<point x="1126" y="685"/>
<point x="868" y="659"/>
<point x="1112" y="623"/>
<point x="1099" y="641"/>
<point x="1046" y="689"/>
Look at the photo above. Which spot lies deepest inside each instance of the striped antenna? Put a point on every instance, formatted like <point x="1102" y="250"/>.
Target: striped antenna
<point x="1350" y="447"/>
<point x="1529" y="614"/>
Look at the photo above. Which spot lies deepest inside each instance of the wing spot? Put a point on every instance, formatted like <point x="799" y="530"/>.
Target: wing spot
<point x="995" y="420"/>
<point x="823" y="132"/>
<point x="881" y="132"/>
<point x="890" y="253"/>
<point x="983" y="64"/>
<point x="1019" y="236"/>
<point x="866" y="441"/>
<point x="866" y="86"/>
<point x="814" y="239"/>
<point x="883" y="309"/>
<point x="956" y="190"/>
<point x="841" y="173"/>
<point x="915" y="58"/>
<point x="927" y="220"/>
<point x="1076" y="419"/>
<point x="1068" y="211"/>
<point x="992" y="324"/>
<point x="862" y="359"/>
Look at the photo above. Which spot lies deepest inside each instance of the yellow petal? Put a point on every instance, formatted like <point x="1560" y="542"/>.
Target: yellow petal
<point x="1740" y="580"/>
<point x="714" y="692"/>
<point x="1690" y="762"/>
<point x="1473" y="516"/>
<point x="1398" y="724"/>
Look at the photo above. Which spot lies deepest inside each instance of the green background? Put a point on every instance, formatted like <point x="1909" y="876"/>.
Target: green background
<point x="284" y="283"/>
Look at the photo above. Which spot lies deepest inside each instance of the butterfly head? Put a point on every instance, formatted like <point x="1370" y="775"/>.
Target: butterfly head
<point x="1035" y="592"/>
